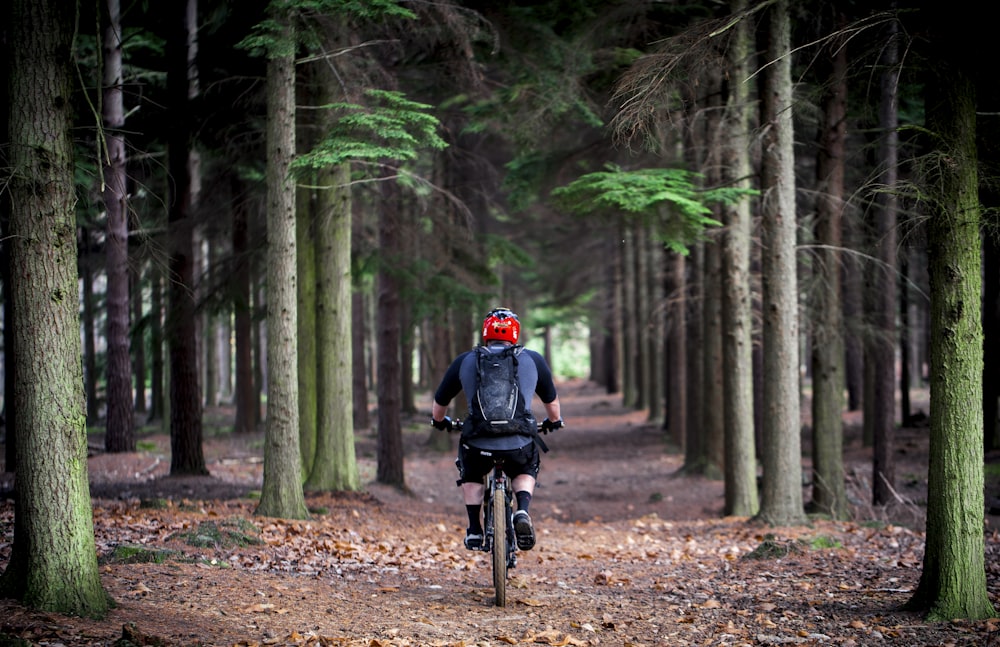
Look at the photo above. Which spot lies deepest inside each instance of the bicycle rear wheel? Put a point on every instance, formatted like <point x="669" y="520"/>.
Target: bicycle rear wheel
<point x="500" y="547"/>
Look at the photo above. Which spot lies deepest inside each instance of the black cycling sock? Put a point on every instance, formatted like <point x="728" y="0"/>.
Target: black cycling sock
<point x="523" y="500"/>
<point x="475" y="526"/>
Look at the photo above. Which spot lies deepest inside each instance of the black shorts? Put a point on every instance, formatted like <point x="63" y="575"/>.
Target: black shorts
<point x="473" y="464"/>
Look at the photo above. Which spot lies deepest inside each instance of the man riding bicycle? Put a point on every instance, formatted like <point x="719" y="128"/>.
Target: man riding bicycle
<point x="481" y="442"/>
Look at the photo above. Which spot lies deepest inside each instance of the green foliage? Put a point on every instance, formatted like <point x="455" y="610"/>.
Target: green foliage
<point x="390" y="128"/>
<point x="127" y="554"/>
<point x="365" y="9"/>
<point x="267" y="37"/>
<point x="232" y="532"/>
<point x="824" y="542"/>
<point x="644" y="193"/>
<point x="773" y="548"/>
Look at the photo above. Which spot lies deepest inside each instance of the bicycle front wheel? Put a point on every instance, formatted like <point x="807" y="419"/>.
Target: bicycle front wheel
<point x="500" y="548"/>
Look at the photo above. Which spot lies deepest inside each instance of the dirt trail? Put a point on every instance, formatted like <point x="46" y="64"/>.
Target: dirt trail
<point x="629" y="553"/>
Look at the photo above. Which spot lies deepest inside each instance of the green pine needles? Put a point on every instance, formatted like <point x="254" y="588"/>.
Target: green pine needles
<point x="391" y="127"/>
<point x="665" y="197"/>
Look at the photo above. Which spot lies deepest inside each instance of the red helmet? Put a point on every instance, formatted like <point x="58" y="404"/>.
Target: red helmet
<point x="501" y="325"/>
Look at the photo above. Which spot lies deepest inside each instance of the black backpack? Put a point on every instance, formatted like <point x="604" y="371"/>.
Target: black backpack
<point x="497" y="405"/>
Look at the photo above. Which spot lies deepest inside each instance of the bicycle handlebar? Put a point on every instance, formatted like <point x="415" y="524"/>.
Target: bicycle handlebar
<point x="453" y="425"/>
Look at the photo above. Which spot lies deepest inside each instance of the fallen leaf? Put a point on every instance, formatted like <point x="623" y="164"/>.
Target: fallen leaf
<point x="532" y="603"/>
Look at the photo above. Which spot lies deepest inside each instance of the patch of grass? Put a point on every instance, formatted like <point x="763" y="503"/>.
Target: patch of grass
<point x="773" y="548"/>
<point x="138" y="555"/>
<point x="235" y="531"/>
<point x="824" y="542"/>
<point x="154" y="504"/>
<point x="146" y="446"/>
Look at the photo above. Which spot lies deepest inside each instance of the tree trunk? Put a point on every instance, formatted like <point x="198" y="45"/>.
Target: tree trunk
<point x="694" y="444"/>
<point x="120" y="420"/>
<point x="359" y="362"/>
<point x="8" y="413"/>
<point x="245" y="397"/>
<point x="140" y="334"/>
<point x="89" y="327"/>
<point x="712" y="391"/>
<point x="630" y="388"/>
<point x="712" y="407"/>
<point x="883" y="343"/>
<point x="781" y="498"/>
<point x="737" y="346"/>
<point x="187" y="455"/>
<point x="157" y="397"/>
<point x="53" y="564"/>
<point x="676" y="366"/>
<point x="390" y="433"/>
<point x="209" y="322"/>
<point x="612" y="321"/>
<point x="281" y="493"/>
<point x="829" y="493"/>
<point x="953" y="581"/>
<point x="308" y="244"/>
<point x="335" y="466"/>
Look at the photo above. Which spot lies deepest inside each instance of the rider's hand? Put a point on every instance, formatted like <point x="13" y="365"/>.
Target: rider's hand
<point x="549" y="425"/>
<point x="444" y="424"/>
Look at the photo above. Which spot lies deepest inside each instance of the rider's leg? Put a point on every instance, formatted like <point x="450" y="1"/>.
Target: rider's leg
<point x="523" y="486"/>
<point x="472" y="494"/>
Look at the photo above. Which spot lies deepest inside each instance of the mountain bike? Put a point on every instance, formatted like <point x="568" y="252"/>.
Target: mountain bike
<point x="498" y="537"/>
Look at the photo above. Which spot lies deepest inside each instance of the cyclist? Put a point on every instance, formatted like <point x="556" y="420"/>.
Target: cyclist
<point x="478" y="447"/>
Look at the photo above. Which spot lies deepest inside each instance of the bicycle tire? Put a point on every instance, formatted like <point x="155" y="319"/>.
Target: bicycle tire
<point x="499" y="547"/>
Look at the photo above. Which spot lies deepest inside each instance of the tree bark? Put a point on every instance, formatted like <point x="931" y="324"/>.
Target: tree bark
<point x="676" y="366"/>
<point x="307" y="243"/>
<point x="53" y="564"/>
<point x="139" y="348"/>
<point x="737" y="346"/>
<point x="187" y="455"/>
<point x="781" y="498"/>
<point x="335" y="465"/>
<point x="89" y="325"/>
<point x="829" y="493"/>
<point x="883" y="343"/>
<point x="359" y="361"/>
<point x="281" y="493"/>
<point x="120" y="419"/>
<point x="245" y="400"/>
<point x="390" y="434"/>
<point x="953" y="581"/>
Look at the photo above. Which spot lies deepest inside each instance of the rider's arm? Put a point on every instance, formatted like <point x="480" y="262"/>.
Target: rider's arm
<point x="552" y="411"/>
<point x="546" y="388"/>
<point x="451" y="385"/>
<point x="438" y="411"/>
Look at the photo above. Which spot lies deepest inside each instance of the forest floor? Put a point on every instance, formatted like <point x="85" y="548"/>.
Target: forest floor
<point x="631" y="551"/>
